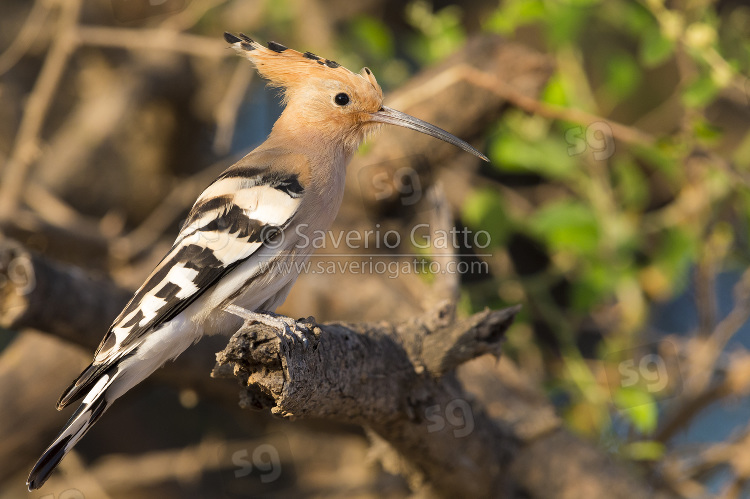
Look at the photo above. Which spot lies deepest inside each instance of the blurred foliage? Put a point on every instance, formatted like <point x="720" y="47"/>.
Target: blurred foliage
<point x="433" y="36"/>
<point x="438" y="33"/>
<point x="622" y="221"/>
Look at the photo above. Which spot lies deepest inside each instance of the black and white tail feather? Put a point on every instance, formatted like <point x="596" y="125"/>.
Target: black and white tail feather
<point x="88" y="413"/>
<point x="228" y="226"/>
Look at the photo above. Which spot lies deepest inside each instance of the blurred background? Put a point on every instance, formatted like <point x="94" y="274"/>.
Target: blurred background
<point x="615" y="209"/>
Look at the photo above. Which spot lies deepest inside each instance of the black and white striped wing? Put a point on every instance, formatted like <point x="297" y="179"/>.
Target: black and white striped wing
<point x="229" y="222"/>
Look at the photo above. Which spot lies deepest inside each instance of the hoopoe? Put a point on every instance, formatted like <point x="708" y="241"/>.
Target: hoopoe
<point x="219" y="271"/>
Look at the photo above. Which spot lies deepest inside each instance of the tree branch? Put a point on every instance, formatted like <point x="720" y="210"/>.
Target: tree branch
<point x="397" y="381"/>
<point x="385" y="377"/>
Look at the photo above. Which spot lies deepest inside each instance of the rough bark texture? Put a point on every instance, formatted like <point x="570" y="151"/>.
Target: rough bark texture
<point x="386" y="377"/>
<point x="44" y="295"/>
<point x="397" y="380"/>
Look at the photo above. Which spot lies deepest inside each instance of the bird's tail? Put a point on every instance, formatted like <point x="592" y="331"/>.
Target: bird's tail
<point x="88" y="413"/>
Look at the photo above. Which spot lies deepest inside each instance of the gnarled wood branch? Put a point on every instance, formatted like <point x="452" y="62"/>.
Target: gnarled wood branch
<point x="389" y="378"/>
<point x="398" y="381"/>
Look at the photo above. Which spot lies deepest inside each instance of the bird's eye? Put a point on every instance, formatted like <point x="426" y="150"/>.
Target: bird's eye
<point x="341" y="99"/>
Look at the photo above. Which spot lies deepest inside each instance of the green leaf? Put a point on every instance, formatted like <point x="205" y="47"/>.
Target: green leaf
<point x="566" y="225"/>
<point x="707" y="132"/>
<point x="547" y="157"/>
<point x="484" y="210"/>
<point x="631" y="184"/>
<point x="554" y="91"/>
<point x="639" y="406"/>
<point x="598" y="277"/>
<point x="634" y="17"/>
<point x="643" y="450"/>
<point x="623" y="75"/>
<point x="676" y="252"/>
<point x="373" y="36"/>
<point x="663" y="157"/>
<point x="564" y="23"/>
<point x="701" y="92"/>
<point x="514" y="14"/>
<point x="593" y="285"/>
<point x="655" y="48"/>
<point x="440" y="33"/>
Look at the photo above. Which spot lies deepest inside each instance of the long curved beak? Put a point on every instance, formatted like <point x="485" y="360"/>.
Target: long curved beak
<point x="393" y="117"/>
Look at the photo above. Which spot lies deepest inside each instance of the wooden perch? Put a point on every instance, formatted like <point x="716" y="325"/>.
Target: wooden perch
<point x="40" y="294"/>
<point x="397" y="380"/>
<point x="387" y="378"/>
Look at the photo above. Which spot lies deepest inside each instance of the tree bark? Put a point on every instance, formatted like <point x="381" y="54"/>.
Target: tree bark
<point x="397" y="380"/>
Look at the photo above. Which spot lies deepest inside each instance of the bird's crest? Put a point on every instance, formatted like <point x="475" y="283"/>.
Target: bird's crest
<point x="287" y="68"/>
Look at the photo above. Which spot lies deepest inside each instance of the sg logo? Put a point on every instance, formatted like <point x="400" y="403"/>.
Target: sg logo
<point x="257" y="469"/>
<point x="597" y="136"/>
<point x="404" y="184"/>
<point x="395" y="184"/>
<point x="265" y="458"/>
<point x="652" y="368"/>
<point x="458" y="415"/>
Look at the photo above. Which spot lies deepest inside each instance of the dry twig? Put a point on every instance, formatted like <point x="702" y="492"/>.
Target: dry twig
<point x="26" y="146"/>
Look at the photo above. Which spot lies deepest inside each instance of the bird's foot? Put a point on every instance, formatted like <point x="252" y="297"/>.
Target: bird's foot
<point x="286" y="328"/>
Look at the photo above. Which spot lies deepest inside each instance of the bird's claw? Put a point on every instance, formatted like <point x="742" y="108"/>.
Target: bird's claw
<point x="285" y="327"/>
<point x="292" y="329"/>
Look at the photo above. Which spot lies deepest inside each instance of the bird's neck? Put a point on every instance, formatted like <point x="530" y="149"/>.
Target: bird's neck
<point x="326" y="156"/>
<point x="310" y="138"/>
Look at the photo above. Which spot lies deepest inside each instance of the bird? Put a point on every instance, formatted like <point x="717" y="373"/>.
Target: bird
<point x="219" y="271"/>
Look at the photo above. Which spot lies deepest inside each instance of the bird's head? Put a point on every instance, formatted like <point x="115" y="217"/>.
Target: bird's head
<point x="326" y="95"/>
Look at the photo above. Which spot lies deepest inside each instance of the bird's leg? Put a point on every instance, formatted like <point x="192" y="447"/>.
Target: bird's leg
<point x="286" y="327"/>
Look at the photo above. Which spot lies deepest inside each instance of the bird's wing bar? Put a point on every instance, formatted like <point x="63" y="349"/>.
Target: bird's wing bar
<point x="233" y="217"/>
<point x="229" y="222"/>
